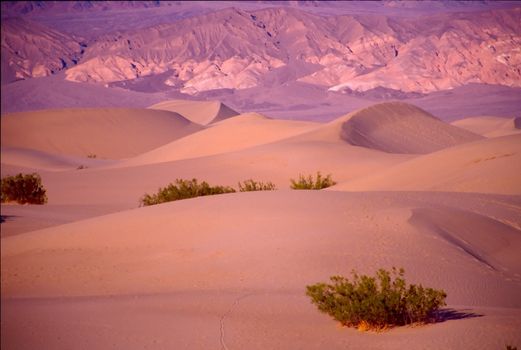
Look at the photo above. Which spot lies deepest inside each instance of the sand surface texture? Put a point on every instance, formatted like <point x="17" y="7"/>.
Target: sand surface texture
<point x="93" y="270"/>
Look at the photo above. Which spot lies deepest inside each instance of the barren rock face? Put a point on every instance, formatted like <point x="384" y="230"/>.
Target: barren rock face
<point x="449" y="51"/>
<point x="32" y="50"/>
<point x="238" y="49"/>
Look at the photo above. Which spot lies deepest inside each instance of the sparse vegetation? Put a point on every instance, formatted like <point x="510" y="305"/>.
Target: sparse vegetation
<point x="80" y="167"/>
<point x="308" y="183"/>
<point x="183" y="189"/>
<point x="510" y="347"/>
<point x="91" y="155"/>
<point x="24" y="189"/>
<point x="376" y="303"/>
<point x="251" y="185"/>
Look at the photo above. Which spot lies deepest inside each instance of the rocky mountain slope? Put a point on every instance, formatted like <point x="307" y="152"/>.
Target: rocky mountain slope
<point x="32" y="50"/>
<point x="237" y="49"/>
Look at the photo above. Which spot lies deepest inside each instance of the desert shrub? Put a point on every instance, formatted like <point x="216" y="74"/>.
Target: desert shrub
<point x="308" y="183"/>
<point x="250" y="185"/>
<point x="91" y="155"/>
<point x="23" y="188"/>
<point x="183" y="189"/>
<point x="510" y="347"/>
<point x="376" y="302"/>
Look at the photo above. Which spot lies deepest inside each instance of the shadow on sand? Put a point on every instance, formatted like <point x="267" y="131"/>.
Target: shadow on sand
<point x="453" y="314"/>
<point x="4" y="218"/>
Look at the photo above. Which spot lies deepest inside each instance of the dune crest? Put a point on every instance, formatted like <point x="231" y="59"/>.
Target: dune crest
<point x="498" y="252"/>
<point x="112" y="133"/>
<point x="200" y="112"/>
<point x="397" y="127"/>
<point x="233" y="134"/>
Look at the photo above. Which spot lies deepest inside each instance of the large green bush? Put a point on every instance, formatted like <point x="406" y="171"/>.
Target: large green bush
<point x="24" y="189"/>
<point x="183" y="189"/>
<point x="309" y="183"/>
<point x="376" y="302"/>
<point x="250" y="185"/>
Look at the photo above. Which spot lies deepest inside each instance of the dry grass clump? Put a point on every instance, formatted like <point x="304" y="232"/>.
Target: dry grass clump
<point x="183" y="189"/>
<point x="24" y="189"/>
<point x="310" y="183"/>
<point x="251" y="185"/>
<point x="376" y="303"/>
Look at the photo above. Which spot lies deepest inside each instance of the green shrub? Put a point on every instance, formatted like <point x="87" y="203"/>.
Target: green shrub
<point x="308" y="183"/>
<point x="23" y="188"/>
<point x="183" y="189"/>
<point x="376" y="302"/>
<point x="250" y="185"/>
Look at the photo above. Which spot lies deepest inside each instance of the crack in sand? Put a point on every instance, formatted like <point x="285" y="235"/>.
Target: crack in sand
<point x="227" y="314"/>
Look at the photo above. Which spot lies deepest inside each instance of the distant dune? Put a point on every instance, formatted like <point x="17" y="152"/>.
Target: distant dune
<point x="490" y="126"/>
<point x="233" y="134"/>
<point x="397" y="127"/>
<point x="200" y="112"/>
<point x="487" y="166"/>
<point x="104" y="132"/>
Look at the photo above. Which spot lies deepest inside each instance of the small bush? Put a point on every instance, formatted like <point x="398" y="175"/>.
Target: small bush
<point x="91" y="155"/>
<point x="183" y="189"/>
<point x="24" y="189"/>
<point x="510" y="347"/>
<point x="250" y="185"/>
<point x="376" y="302"/>
<point x="308" y="183"/>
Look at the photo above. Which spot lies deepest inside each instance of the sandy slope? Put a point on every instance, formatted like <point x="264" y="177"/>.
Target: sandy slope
<point x="490" y="126"/>
<point x="28" y="158"/>
<point x="92" y="270"/>
<point x="488" y="166"/>
<point x="235" y="133"/>
<point x="276" y="162"/>
<point x="233" y="150"/>
<point x="104" y="132"/>
<point x="200" y="112"/>
<point x="230" y="270"/>
<point x="398" y="127"/>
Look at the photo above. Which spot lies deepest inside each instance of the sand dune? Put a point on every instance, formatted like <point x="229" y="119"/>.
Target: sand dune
<point x="204" y="261"/>
<point x="397" y="127"/>
<point x="233" y="134"/>
<point x="25" y="218"/>
<point x="27" y="158"/>
<point x="499" y="251"/>
<point x="490" y="126"/>
<point x="276" y="162"/>
<point x="487" y="166"/>
<point x="104" y="132"/>
<point x="200" y="112"/>
<point x="230" y="271"/>
<point x="176" y="248"/>
<point x="32" y="159"/>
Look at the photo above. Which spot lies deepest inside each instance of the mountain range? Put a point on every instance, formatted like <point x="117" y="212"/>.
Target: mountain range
<point x="240" y="48"/>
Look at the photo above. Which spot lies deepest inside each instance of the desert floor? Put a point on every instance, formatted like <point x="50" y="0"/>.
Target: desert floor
<point x="93" y="270"/>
